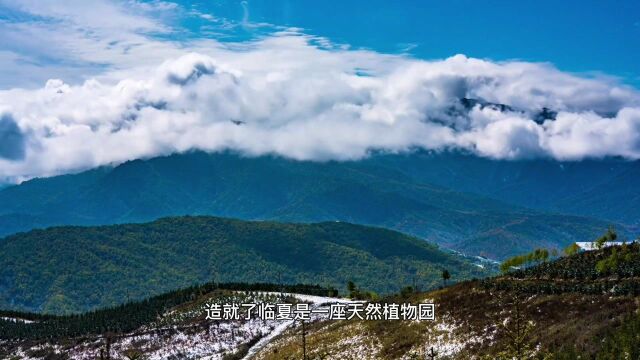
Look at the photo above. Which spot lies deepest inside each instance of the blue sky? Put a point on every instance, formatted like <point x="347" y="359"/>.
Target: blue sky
<point x="578" y="36"/>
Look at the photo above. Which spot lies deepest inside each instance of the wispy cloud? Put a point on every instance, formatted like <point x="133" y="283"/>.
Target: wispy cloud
<point x="77" y="39"/>
<point x="148" y="93"/>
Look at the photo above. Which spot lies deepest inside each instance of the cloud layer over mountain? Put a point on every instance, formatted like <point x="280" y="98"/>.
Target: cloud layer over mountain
<point x="305" y="98"/>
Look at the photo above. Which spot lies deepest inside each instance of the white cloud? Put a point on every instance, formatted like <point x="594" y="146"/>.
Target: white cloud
<point x="298" y="96"/>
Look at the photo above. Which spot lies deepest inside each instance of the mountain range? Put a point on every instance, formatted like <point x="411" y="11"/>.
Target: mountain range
<point x="476" y="206"/>
<point x="605" y="189"/>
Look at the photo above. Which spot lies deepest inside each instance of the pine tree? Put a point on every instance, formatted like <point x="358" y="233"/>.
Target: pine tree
<point x="445" y="276"/>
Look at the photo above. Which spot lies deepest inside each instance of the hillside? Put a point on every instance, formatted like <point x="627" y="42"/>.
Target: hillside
<point x="269" y="188"/>
<point x="169" y="326"/>
<point x="559" y="310"/>
<point x="70" y="269"/>
<point x="604" y="189"/>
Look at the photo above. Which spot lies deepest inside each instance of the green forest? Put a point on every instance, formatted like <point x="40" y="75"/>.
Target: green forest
<point x="73" y="269"/>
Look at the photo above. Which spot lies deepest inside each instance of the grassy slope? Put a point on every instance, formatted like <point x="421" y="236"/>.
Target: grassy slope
<point x="467" y="315"/>
<point x="78" y="268"/>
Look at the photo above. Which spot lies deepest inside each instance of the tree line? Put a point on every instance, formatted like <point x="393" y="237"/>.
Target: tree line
<point x="130" y="316"/>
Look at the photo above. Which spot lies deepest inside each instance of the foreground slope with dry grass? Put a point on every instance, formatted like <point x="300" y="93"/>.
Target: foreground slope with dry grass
<point x="556" y="310"/>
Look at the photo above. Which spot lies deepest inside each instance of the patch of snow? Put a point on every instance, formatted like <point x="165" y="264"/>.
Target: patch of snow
<point x="17" y="320"/>
<point x="209" y="341"/>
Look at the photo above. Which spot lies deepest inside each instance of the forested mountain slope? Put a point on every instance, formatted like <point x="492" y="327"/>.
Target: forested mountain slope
<point x="70" y="269"/>
<point x="269" y="188"/>
<point x="600" y="188"/>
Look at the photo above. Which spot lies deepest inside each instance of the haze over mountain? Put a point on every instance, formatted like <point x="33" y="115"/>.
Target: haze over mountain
<point x="605" y="189"/>
<point x="384" y="191"/>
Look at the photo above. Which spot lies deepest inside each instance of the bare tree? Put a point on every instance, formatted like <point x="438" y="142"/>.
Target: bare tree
<point x="304" y="341"/>
<point x="445" y="276"/>
<point x="431" y="354"/>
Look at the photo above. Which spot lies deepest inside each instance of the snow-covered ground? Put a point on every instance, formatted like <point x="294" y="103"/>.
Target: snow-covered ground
<point x="317" y="302"/>
<point x="204" y="340"/>
<point x="353" y="341"/>
<point x="16" y="320"/>
<point x="182" y="334"/>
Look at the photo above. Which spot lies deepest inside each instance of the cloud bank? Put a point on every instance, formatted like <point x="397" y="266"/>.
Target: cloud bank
<point x="301" y="97"/>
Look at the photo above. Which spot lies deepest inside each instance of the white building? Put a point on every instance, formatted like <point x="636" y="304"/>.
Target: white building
<point x="590" y="245"/>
